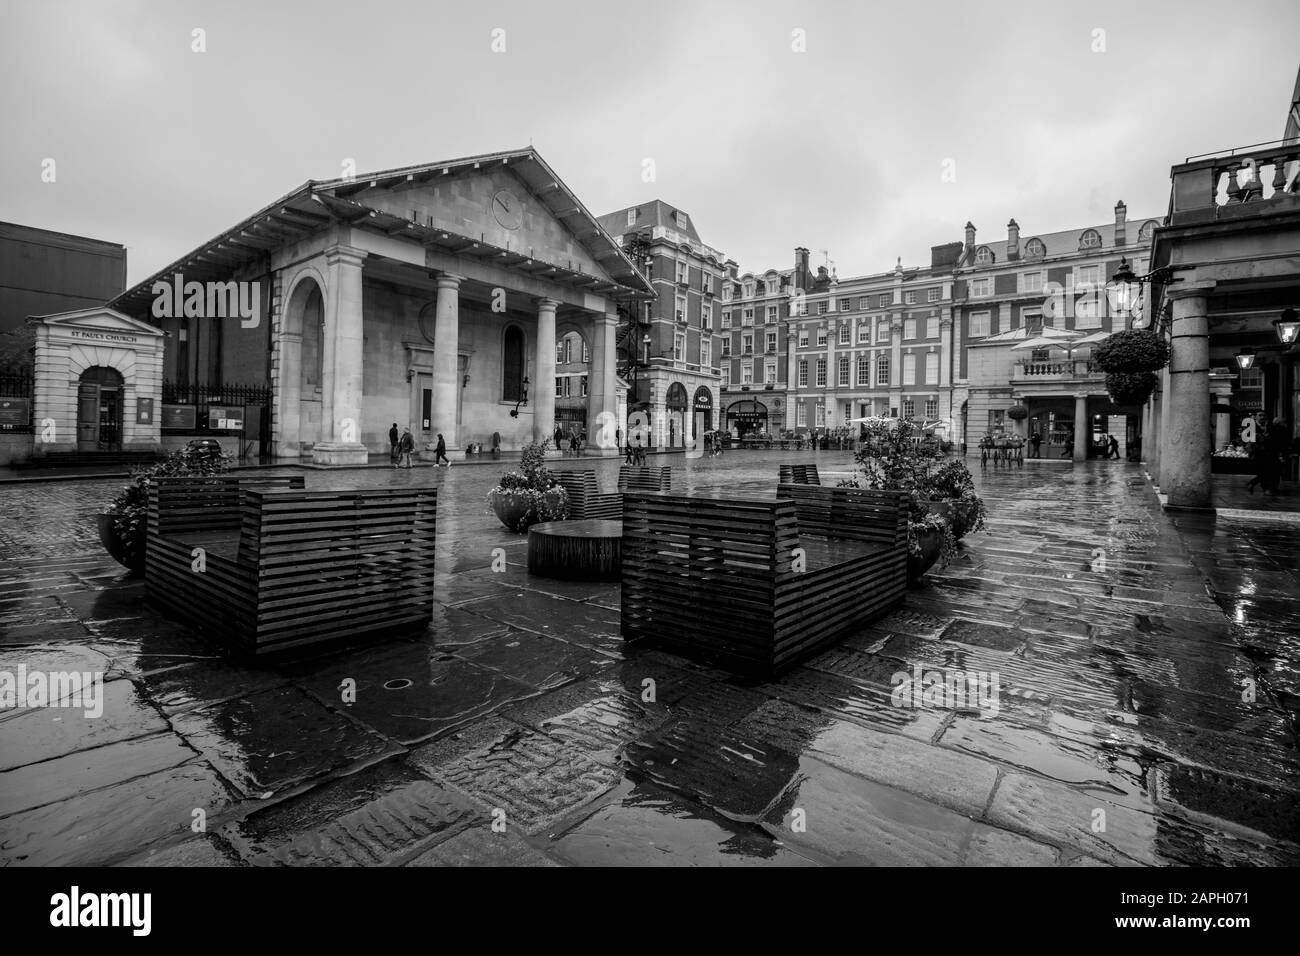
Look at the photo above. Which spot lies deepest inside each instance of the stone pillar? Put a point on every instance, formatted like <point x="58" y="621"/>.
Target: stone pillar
<point x="1186" y="455"/>
<point x="602" y="399"/>
<point x="446" y="353"/>
<point x="1082" y="426"/>
<point x="288" y="394"/>
<point x="896" y="356"/>
<point x="541" y="393"/>
<point x="945" y="371"/>
<point x="341" y="391"/>
<point x="1222" y="429"/>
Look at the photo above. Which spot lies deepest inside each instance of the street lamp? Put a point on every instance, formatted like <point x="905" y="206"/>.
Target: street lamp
<point x="1288" y="327"/>
<point x="1124" y="290"/>
<point x="1245" y="359"/>
<point x="523" y="400"/>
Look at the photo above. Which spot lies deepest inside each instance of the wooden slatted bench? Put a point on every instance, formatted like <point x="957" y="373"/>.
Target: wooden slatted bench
<point x="283" y="567"/>
<point x="587" y="501"/>
<point x="633" y="478"/>
<point x="799" y="475"/>
<point x="719" y="579"/>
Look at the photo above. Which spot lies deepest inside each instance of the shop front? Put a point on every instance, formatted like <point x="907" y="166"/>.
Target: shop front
<point x="746" y="418"/>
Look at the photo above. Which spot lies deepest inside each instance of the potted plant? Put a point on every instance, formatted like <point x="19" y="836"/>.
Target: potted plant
<point x="949" y="491"/>
<point x="525" y="497"/>
<point x="122" y="528"/>
<point x="1133" y="350"/>
<point x="1130" y="388"/>
<point x="1018" y="413"/>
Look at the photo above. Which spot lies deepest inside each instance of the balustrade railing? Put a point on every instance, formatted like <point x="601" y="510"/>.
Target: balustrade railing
<point x="1237" y="184"/>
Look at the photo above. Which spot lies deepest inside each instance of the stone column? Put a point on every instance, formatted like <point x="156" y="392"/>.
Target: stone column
<point x="896" y="359"/>
<point x="341" y="392"/>
<point x="602" y="399"/>
<point x="446" y="353"/>
<point x="541" y="393"/>
<point x="945" y="371"/>
<point x="288" y="394"/>
<point x="1186" y="456"/>
<point x="1082" y="426"/>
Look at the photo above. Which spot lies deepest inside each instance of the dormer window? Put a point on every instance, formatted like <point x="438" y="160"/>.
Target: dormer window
<point x="749" y="290"/>
<point x="983" y="256"/>
<point x="680" y="218"/>
<point x="1147" y="231"/>
<point x="1091" y="239"/>
<point x="1034" y="249"/>
<point x="631" y="217"/>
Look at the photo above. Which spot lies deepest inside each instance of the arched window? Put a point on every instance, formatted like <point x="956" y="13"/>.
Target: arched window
<point x="1147" y="231"/>
<point x="1034" y="249"/>
<point x="1091" y="239"/>
<point x="512" y="364"/>
<point x="983" y="256"/>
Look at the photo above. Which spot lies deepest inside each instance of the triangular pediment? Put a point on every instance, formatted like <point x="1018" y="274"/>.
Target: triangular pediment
<point x="100" y="319"/>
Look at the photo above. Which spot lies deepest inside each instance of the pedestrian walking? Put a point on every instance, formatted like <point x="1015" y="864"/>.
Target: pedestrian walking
<point x="1036" y="443"/>
<point x="393" y="439"/>
<point x="1112" y="448"/>
<point x="638" y="453"/>
<point x="440" y="452"/>
<point x="404" y="448"/>
<point x="618" y="437"/>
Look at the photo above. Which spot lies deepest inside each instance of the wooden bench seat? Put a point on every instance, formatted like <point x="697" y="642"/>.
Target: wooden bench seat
<point x="587" y="501"/>
<point x="283" y="567"/>
<point x="799" y="475"/>
<point x="758" y="585"/>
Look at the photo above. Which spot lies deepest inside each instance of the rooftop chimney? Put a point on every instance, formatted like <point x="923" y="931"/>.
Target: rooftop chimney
<point x="970" y="238"/>
<point x="1013" y="240"/>
<point x="802" y="277"/>
<point x="1120" y="212"/>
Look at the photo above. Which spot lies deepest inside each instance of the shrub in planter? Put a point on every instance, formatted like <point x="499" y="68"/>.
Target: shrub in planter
<point x="1018" y="413"/>
<point x="1134" y="350"/>
<point x="523" y="498"/>
<point x="122" y="528"/>
<point x="1130" y="388"/>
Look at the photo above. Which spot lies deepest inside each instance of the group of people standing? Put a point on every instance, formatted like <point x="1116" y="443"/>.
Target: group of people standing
<point x="401" y="446"/>
<point x="1271" y="447"/>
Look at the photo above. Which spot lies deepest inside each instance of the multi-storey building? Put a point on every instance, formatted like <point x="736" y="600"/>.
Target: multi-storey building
<point x="874" y="345"/>
<point x="752" y="338"/>
<point x="1049" y="287"/>
<point x="669" y="352"/>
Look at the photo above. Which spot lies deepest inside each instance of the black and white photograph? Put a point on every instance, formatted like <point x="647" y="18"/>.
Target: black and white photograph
<point x="623" y="435"/>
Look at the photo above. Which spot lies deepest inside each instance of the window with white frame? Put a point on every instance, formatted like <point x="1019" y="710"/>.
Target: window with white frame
<point x="803" y="373"/>
<point x="1031" y="282"/>
<point x="882" y="331"/>
<point x="909" y="369"/>
<point x="683" y="272"/>
<point x="931" y="409"/>
<point x="979" y="323"/>
<point x="561" y="348"/>
<point x="864" y="371"/>
<point x="933" y="295"/>
<point x="845" y="332"/>
<point x="582" y="386"/>
<point x="746" y="372"/>
<point x="680" y="216"/>
<point x="822" y="307"/>
<point x="769" y="372"/>
<point x="747" y="317"/>
<point x="845" y="305"/>
<point x="771" y="341"/>
<point x="820" y="417"/>
<point x="1034" y="249"/>
<point x="842" y="376"/>
<point x="909" y="408"/>
<point x="747" y="343"/>
<point x="801" y="415"/>
<point x="909" y="329"/>
<point x="803" y="338"/>
<point x="932" y="368"/>
<point x="726" y="319"/>
<point x="864" y="333"/>
<point x="909" y="297"/>
<point x="821" y="371"/>
<point x="863" y="302"/>
<point x="932" y="327"/>
<point x="631" y="217"/>
<point x="726" y="374"/>
<point x="772" y="285"/>
<point x="1091" y="239"/>
<point x="726" y="292"/>
<point x="726" y="345"/>
<point x="770" y="317"/>
<point x="885" y="300"/>
<point x="983" y="256"/>
<point x="749" y="290"/>
<point x="680" y="313"/>
<point x="1088" y="310"/>
<point x="706" y="315"/>
<point x="882" y="371"/>
<point x="679" y="347"/>
<point x="821" y="336"/>
<point x="706" y="280"/>
<point x="981" y="288"/>
<point x="1087" y="276"/>
<point x="706" y="352"/>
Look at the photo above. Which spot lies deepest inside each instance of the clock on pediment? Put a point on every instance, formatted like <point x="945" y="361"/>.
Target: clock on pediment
<point x="508" y="209"/>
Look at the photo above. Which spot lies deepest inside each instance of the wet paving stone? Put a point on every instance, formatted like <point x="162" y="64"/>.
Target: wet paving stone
<point x="104" y="826"/>
<point x="840" y="697"/>
<point x="199" y="851"/>
<point x="532" y="778"/>
<point x="273" y="740"/>
<point x="597" y="717"/>
<point x="541" y="662"/>
<point x="194" y="684"/>
<point x="56" y="633"/>
<point x="573" y="621"/>
<point x="642" y="825"/>
<point x="408" y="692"/>
<point x="482" y="846"/>
<point x="1268" y="812"/>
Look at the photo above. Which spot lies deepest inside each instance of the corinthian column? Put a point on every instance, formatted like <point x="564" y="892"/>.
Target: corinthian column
<point x="541" y="394"/>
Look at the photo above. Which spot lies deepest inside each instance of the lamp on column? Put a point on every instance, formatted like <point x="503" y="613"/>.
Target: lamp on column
<point x="1245" y="359"/>
<point x="1288" y="327"/>
<point x="1124" y="291"/>
<point x="514" y="412"/>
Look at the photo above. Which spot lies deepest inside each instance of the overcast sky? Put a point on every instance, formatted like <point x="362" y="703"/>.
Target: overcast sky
<point x="841" y="147"/>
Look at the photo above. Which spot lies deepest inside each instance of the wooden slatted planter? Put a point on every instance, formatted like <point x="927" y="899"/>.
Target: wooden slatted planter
<point x="587" y="501"/>
<point x="718" y="579"/>
<point x="286" y="567"/>
<point x="799" y="475"/>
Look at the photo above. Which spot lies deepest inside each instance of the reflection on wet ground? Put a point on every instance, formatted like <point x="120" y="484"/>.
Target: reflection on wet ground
<point x="1148" y="693"/>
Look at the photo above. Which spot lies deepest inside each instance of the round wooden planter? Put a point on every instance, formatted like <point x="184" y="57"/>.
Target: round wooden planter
<point x="588" y="550"/>
<point x="931" y="544"/>
<point x="129" y="556"/>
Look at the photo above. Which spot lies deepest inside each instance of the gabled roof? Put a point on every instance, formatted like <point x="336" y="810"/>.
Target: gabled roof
<point x="656" y="212"/>
<point x="116" y="320"/>
<point x="316" y="203"/>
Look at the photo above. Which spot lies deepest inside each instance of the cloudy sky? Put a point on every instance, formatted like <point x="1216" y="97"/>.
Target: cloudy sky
<point x="1045" y="111"/>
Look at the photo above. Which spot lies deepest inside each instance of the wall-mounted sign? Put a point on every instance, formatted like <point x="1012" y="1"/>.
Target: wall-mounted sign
<point x="225" y="419"/>
<point x="178" y="416"/>
<point x="104" y="336"/>
<point x="15" y="411"/>
<point x="144" y="411"/>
